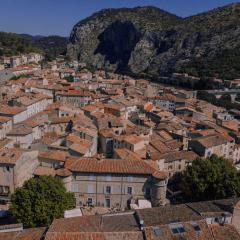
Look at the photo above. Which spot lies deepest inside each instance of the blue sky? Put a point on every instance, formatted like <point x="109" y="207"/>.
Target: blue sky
<point x="47" y="17"/>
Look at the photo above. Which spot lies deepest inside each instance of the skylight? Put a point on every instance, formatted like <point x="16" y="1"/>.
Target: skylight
<point x="196" y="227"/>
<point x="177" y="228"/>
<point x="157" y="231"/>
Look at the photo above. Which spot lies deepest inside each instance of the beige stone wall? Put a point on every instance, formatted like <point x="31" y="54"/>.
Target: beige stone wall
<point x="25" y="167"/>
<point x="175" y="166"/>
<point x="6" y="176"/>
<point x="94" y="186"/>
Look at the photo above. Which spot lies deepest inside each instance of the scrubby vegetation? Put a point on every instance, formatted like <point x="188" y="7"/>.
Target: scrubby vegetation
<point x="225" y="65"/>
<point x="53" y="46"/>
<point x="15" y="44"/>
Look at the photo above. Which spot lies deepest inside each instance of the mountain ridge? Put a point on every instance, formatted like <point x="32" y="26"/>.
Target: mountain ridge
<point x="131" y="40"/>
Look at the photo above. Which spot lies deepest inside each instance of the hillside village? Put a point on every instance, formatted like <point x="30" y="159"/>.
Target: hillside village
<point x="118" y="144"/>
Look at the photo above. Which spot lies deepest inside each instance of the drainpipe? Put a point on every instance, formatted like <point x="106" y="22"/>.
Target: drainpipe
<point x="96" y="190"/>
<point x="13" y="180"/>
<point x="121" y="191"/>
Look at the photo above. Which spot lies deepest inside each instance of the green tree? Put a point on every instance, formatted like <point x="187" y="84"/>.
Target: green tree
<point x="40" y="200"/>
<point x="210" y="178"/>
<point x="70" y="79"/>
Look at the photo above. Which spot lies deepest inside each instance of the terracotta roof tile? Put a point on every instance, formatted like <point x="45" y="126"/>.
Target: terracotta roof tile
<point x="63" y="172"/>
<point x="225" y="232"/>
<point x="44" y="171"/>
<point x="11" y="110"/>
<point x="212" y="140"/>
<point x="26" y="234"/>
<point x="109" y="166"/>
<point x="56" y="155"/>
<point x="124" y="153"/>
<point x="167" y="214"/>
<point x="102" y="227"/>
<point x="10" y="156"/>
<point x="165" y="232"/>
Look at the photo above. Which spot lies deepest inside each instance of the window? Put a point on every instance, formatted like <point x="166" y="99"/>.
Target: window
<point x="108" y="202"/>
<point x="6" y="189"/>
<point x="129" y="190"/>
<point x="147" y="191"/>
<point x="209" y="153"/>
<point x="108" y="189"/>
<point x="89" y="201"/>
<point x="74" y="187"/>
<point x="90" y="189"/>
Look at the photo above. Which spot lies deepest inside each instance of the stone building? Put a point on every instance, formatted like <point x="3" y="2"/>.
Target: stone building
<point x="205" y="146"/>
<point x="16" y="166"/>
<point x="115" y="182"/>
<point x="75" y="97"/>
<point x="5" y="126"/>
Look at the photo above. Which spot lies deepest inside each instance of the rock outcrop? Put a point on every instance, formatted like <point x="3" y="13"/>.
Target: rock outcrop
<point x="149" y="41"/>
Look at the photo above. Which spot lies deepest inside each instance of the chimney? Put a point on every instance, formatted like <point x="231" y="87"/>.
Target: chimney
<point x="236" y="216"/>
<point x="141" y="224"/>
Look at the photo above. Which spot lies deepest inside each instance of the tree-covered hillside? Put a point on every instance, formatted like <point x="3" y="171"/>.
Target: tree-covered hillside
<point x="225" y="65"/>
<point x="14" y="44"/>
<point x="53" y="46"/>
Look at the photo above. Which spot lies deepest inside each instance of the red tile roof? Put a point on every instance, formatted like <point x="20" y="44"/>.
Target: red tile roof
<point x="26" y="234"/>
<point x="109" y="166"/>
<point x="56" y="155"/>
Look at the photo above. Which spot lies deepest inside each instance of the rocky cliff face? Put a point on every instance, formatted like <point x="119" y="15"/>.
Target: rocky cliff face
<point x="149" y="41"/>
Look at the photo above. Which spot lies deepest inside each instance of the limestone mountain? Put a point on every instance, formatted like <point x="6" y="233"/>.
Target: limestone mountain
<point x="147" y="41"/>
